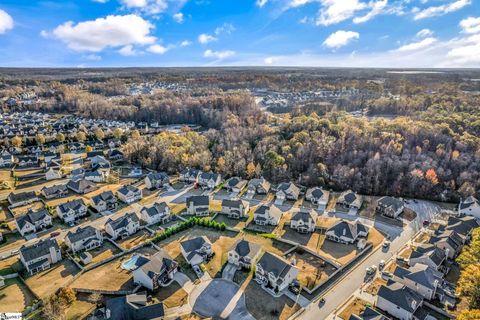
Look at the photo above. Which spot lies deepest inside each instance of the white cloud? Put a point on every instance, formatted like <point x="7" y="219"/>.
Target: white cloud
<point x="185" y="43"/>
<point x="377" y="8"/>
<point x="270" y="60"/>
<point x="218" y="54"/>
<point x="44" y="34"/>
<point x="128" y="51"/>
<point x="111" y="31"/>
<point x="178" y="17"/>
<point x="261" y="3"/>
<point x="157" y="49"/>
<point x="100" y="1"/>
<point x="424" y="33"/>
<point x="225" y="28"/>
<point x="92" y="57"/>
<point x="147" y="6"/>
<point x="206" y="38"/>
<point x="6" y="21"/>
<point x="470" y="25"/>
<point x="413" y="46"/>
<point x="440" y="10"/>
<point x="340" y="38"/>
<point x="335" y="11"/>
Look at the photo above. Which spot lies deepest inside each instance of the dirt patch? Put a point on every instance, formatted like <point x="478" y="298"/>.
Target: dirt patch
<point x="375" y="237"/>
<point x="104" y="252"/>
<point x="78" y="309"/>
<point x="172" y="296"/>
<point x="15" y="297"/>
<point x="355" y="307"/>
<point x="136" y="239"/>
<point x="19" y="211"/>
<point x="422" y="238"/>
<point x="375" y="286"/>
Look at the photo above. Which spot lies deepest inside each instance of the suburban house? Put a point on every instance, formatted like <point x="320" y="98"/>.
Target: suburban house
<point x="27" y="161"/>
<point x="100" y="163"/>
<point x="77" y="174"/>
<point x="21" y="198"/>
<point x="156" y="180"/>
<point x="105" y="201"/>
<point x="33" y="221"/>
<point x="351" y="201"/>
<point x="115" y="155"/>
<point x="318" y="196"/>
<point x="244" y="254"/>
<point x="469" y="206"/>
<point x="304" y="221"/>
<point x="463" y="226"/>
<point x="390" y="207"/>
<point x="56" y="191"/>
<point x="52" y="174"/>
<point x="287" y="191"/>
<point x="368" y="314"/>
<point x="346" y="232"/>
<point x="267" y="215"/>
<point x="135" y="306"/>
<point x="449" y="241"/>
<point x="97" y="176"/>
<point x="6" y="160"/>
<point x="189" y="175"/>
<point x="72" y="210"/>
<point x="235" y="208"/>
<point x="196" y="250"/>
<point x="81" y="186"/>
<point x="429" y="255"/>
<point x="235" y="184"/>
<point x="420" y="278"/>
<point x="209" y="179"/>
<point x="129" y="194"/>
<point x="40" y="256"/>
<point x="397" y="300"/>
<point x="198" y="205"/>
<point x="155" y="271"/>
<point x="85" y="238"/>
<point x="274" y="272"/>
<point x="158" y="212"/>
<point x="258" y="186"/>
<point x="122" y="227"/>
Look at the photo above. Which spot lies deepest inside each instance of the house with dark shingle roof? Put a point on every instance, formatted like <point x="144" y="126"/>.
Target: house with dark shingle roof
<point x="462" y="226"/>
<point x="420" y="278"/>
<point x="18" y="199"/>
<point x="429" y="255"/>
<point x="304" y="221"/>
<point x="105" y="201"/>
<point x="398" y="301"/>
<point x="129" y="194"/>
<point x="159" y="212"/>
<point x="122" y="227"/>
<point x="244" y="254"/>
<point x="135" y="306"/>
<point x="275" y="272"/>
<point x="350" y="200"/>
<point x="449" y="241"/>
<point x="33" y="221"/>
<point x="40" y="256"/>
<point x="72" y="210"/>
<point x="469" y="206"/>
<point x="390" y="207"/>
<point x="55" y="191"/>
<point x="198" y="205"/>
<point x="267" y="215"/>
<point x="156" y="180"/>
<point x="6" y="160"/>
<point x="235" y="209"/>
<point x="189" y="175"/>
<point x="209" y="179"/>
<point x="196" y="250"/>
<point x="346" y="232"/>
<point x="235" y="184"/>
<point x="287" y="191"/>
<point x="155" y="271"/>
<point x="369" y="314"/>
<point x="258" y="186"/>
<point x="81" y="186"/>
<point x="86" y="238"/>
<point x="317" y="195"/>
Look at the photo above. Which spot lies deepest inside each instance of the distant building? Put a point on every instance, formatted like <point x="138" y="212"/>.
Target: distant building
<point x="469" y="206"/>
<point x="390" y="207"/>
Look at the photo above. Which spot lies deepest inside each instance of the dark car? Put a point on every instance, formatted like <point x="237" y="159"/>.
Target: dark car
<point x="294" y="290"/>
<point x="426" y="223"/>
<point x="54" y="234"/>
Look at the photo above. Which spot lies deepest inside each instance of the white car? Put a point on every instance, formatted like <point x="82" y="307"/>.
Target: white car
<point x="381" y="264"/>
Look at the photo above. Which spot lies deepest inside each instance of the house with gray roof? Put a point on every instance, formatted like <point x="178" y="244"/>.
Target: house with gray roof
<point x="449" y="241"/>
<point x="346" y="232"/>
<point x="274" y="272"/>
<point x="235" y="184"/>
<point x="18" y="199"/>
<point x="209" y="179"/>
<point x="40" y="256"/>
<point x="463" y="226"/>
<point x="105" y="202"/>
<point x="123" y="226"/>
<point x="429" y="255"/>
<point x="235" y="209"/>
<point x="155" y="271"/>
<point x="189" y="175"/>
<point x="72" y="210"/>
<point x="156" y="180"/>
<point x="390" y="207"/>
<point x="317" y="195"/>
<point x="129" y="194"/>
<point x="55" y="191"/>
<point x="287" y="191"/>
<point x="351" y="201"/>
<point x="196" y="250"/>
<point x="198" y="205"/>
<point x="369" y="314"/>
<point x="267" y="215"/>
<point x="304" y="221"/>
<point x="159" y="212"/>
<point x="86" y="238"/>
<point x="135" y="306"/>
<point x="244" y="254"/>
<point x="6" y="160"/>
<point x="469" y="206"/>
<point x="33" y="221"/>
<point x="81" y="186"/>
<point x="258" y="186"/>
<point x="420" y="278"/>
<point x="398" y="301"/>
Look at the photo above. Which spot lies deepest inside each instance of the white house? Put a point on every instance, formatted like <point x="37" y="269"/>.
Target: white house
<point x="33" y="221"/>
<point x="196" y="250"/>
<point x="209" y="179"/>
<point x="86" y="238"/>
<point x="258" y="186"/>
<point x="198" y="205"/>
<point x="351" y="201"/>
<point x="52" y="174"/>
<point x="244" y="254"/>
<point x="122" y="227"/>
<point x="346" y="232"/>
<point x="235" y="184"/>
<point x="105" y="202"/>
<point x="189" y="175"/>
<point x="275" y="272"/>
<point x="156" y="180"/>
<point x="154" y="271"/>
<point x="469" y="206"/>
<point x="56" y="191"/>
<point x="398" y="301"/>
<point x="304" y="221"/>
<point x="287" y="191"/>
<point x="318" y="196"/>
<point x="158" y="212"/>
<point x="390" y="207"/>
<point x="40" y="256"/>
<point x="72" y="210"/>
<point x="235" y="209"/>
<point x="129" y="194"/>
<point x="267" y="215"/>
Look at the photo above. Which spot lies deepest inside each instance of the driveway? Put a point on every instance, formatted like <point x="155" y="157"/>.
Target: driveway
<point x="229" y="271"/>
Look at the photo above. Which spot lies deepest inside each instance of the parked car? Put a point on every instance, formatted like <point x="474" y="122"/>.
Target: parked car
<point x="54" y="234"/>
<point x="426" y="223"/>
<point x="371" y="270"/>
<point x="381" y="265"/>
<point x="386" y="244"/>
<point x="401" y="259"/>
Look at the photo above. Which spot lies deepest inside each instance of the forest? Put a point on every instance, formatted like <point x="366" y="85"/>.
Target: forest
<point x="419" y="137"/>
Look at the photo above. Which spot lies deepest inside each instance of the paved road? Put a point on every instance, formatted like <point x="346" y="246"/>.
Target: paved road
<point x="352" y="282"/>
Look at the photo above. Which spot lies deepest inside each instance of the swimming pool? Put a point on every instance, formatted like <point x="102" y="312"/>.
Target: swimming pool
<point x="131" y="263"/>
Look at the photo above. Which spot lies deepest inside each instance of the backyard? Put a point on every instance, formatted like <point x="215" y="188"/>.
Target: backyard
<point x="15" y="296"/>
<point x="172" y="296"/>
<point x="355" y="307"/>
<point x="101" y="253"/>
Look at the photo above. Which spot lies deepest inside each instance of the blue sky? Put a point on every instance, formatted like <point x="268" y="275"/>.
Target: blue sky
<point x="329" y="33"/>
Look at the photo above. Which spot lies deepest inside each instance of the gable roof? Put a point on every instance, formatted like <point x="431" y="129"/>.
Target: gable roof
<point x="469" y="202"/>
<point x="391" y="202"/>
<point x="158" y="208"/>
<point x="198" y="200"/>
<point x="274" y="264"/>
<point x="246" y="248"/>
<point x="156" y="264"/>
<point x="81" y="233"/>
<point x="38" y="249"/>
<point x="54" y="189"/>
<point x="304" y="215"/>
<point x="419" y="273"/>
<point x="349" y="197"/>
<point x="194" y="244"/>
<point x="75" y="205"/>
<point x="347" y="229"/>
<point x="400" y="296"/>
<point x="122" y="221"/>
<point x="125" y="190"/>
<point x="104" y="196"/>
<point x="31" y="217"/>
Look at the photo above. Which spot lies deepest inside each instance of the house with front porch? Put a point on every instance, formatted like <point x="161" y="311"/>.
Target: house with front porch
<point x="55" y="191"/>
<point x="158" y="212"/>
<point x="86" y="238"/>
<point x="33" y="221"/>
<point x="154" y="271"/>
<point x="122" y="227"/>
<point x="304" y="221"/>
<point x="287" y="191"/>
<point x="244" y="254"/>
<point x="274" y="272"/>
<point x="156" y="180"/>
<point x="235" y="184"/>
<point x="189" y="175"/>
<point x="72" y="210"/>
<point x="105" y="202"/>
<point x="209" y="179"/>
<point x="258" y="186"/>
<point x="40" y="256"/>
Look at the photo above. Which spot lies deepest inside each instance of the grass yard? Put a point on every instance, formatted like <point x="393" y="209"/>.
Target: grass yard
<point x="79" y="309"/>
<point x="133" y="240"/>
<point x="109" y="276"/>
<point x="172" y="296"/>
<point x="313" y="270"/>
<point x="10" y="265"/>
<point x="355" y="307"/>
<point x="19" y="211"/>
<point x="15" y="297"/>
<point x="70" y="197"/>
<point x="105" y="251"/>
<point x="375" y="237"/>
<point x="215" y="205"/>
<point x="13" y="240"/>
<point x="375" y="286"/>
<point x="177" y="208"/>
<point x="262" y="306"/>
<point x="47" y="282"/>
<point x="232" y="223"/>
<point x="339" y="252"/>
